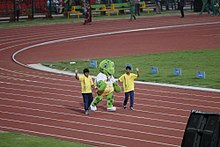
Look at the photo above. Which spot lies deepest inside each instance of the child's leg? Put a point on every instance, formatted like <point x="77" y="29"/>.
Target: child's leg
<point x="131" y="99"/>
<point x="134" y="17"/>
<point x="90" y="99"/>
<point x="126" y="98"/>
<point x="130" y="17"/>
<point x="85" y="101"/>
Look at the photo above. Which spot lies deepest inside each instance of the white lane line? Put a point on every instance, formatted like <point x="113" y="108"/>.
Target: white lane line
<point x="40" y="87"/>
<point x="36" y="76"/>
<point x="121" y="32"/>
<point x="179" y="93"/>
<point x="61" y="100"/>
<point x="89" y="132"/>
<point x="70" y="84"/>
<point x="109" y="113"/>
<point x="72" y="81"/>
<point x="76" y="82"/>
<point x="104" y="34"/>
<point x="87" y="117"/>
<point x="89" y="124"/>
<point x="122" y="115"/>
<point x="69" y="101"/>
<point x="140" y="98"/>
<point x="59" y="136"/>
<point x="179" y="86"/>
<point x="179" y="98"/>
<point x="139" y="93"/>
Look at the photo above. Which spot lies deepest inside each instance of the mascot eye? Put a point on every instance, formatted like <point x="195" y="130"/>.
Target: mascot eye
<point x="105" y="65"/>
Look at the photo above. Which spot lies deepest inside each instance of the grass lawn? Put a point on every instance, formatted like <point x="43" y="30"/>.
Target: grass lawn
<point x="189" y="61"/>
<point x="22" y="140"/>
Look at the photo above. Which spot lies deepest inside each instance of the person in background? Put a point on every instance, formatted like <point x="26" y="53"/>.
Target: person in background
<point x="217" y="8"/>
<point x="17" y="9"/>
<point x="132" y="9"/>
<point x="205" y="6"/>
<point x="181" y="5"/>
<point x="56" y="3"/>
<point x="137" y="7"/>
<point x="128" y="83"/>
<point x="60" y="6"/>
<point x="213" y="7"/>
<point x="158" y="7"/>
<point x="88" y="13"/>
<point x="86" y="84"/>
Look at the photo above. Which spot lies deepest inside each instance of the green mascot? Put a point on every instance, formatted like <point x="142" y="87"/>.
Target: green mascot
<point x="106" y="85"/>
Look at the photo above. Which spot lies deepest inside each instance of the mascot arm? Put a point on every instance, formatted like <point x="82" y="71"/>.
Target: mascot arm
<point x="101" y="85"/>
<point x="117" y="88"/>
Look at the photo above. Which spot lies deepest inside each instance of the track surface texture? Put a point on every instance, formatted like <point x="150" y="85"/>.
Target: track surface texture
<point x="46" y="104"/>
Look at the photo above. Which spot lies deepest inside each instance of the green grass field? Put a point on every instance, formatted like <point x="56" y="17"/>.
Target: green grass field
<point x="21" y="140"/>
<point x="189" y="61"/>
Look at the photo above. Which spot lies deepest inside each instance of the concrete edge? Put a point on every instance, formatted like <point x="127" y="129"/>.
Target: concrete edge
<point x="50" y="70"/>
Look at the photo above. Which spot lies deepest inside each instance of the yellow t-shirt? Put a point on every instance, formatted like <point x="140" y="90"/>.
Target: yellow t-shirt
<point x="86" y="83"/>
<point x="128" y="81"/>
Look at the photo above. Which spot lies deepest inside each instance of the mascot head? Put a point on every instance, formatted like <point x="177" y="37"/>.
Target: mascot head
<point x="107" y="67"/>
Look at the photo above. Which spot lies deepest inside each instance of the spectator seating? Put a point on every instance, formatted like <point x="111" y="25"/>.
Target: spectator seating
<point x="75" y="10"/>
<point x="144" y="6"/>
<point x="117" y="7"/>
<point x="99" y="8"/>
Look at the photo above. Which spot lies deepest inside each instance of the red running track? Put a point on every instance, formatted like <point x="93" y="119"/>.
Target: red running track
<point x="45" y="104"/>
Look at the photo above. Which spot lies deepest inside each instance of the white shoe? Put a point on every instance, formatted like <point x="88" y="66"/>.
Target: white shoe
<point x="111" y="109"/>
<point x="93" y="108"/>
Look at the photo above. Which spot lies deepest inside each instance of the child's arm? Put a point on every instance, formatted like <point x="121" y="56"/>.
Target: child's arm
<point x="76" y="74"/>
<point x="120" y="79"/>
<point x="92" y="85"/>
<point x="138" y="74"/>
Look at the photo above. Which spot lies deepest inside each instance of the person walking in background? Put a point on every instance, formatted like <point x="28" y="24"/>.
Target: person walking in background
<point x="86" y="84"/>
<point x="213" y="7"/>
<point x="128" y="83"/>
<point x="205" y="6"/>
<point x="17" y="9"/>
<point x="217" y="8"/>
<point x="181" y="6"/>
<point x="132" y="9"/>
<point x="61" y="7"/>
<point x="137" y="7"/>
<point x="158" y="7"/>
<point x="88" y="13"/>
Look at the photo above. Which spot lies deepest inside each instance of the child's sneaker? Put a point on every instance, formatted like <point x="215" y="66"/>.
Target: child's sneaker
<point x="93" y="108"/>
<point x="87" y="112"/>
<point x="131" y="108"/>
<point x="124" y="107"/>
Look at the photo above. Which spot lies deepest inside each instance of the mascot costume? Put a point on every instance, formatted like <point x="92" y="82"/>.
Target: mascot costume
<point x="106" y="85"/>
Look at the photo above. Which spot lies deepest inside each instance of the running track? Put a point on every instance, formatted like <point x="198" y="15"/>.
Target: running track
<point x="46" y="104"/>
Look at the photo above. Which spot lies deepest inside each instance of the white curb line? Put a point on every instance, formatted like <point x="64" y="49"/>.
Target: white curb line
<point x="47" y="69"/>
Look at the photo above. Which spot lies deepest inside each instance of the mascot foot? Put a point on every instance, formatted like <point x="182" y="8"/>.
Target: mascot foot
<point x="111" y="109"/>
<point x="93" y="108"/>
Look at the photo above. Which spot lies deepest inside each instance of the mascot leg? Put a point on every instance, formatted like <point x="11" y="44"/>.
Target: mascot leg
<point x="95" y="102"/>
<point x="110" y="102"/>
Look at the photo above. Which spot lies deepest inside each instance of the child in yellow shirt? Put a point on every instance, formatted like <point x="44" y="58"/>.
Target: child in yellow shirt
<point x="128" y="83"/>
<point x="86" y="84"/>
